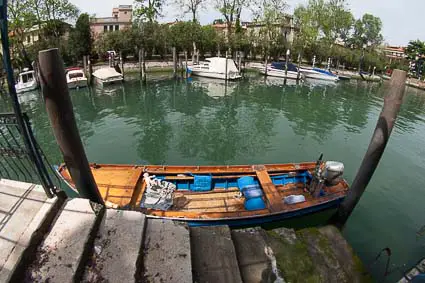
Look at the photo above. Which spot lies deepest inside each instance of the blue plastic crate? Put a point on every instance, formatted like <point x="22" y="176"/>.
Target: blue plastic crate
<point x="202" y="183"/>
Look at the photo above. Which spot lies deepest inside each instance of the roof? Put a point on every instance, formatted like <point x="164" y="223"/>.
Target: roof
<point x="395" y="48"/>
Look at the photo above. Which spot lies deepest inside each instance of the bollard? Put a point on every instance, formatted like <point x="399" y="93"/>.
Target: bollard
<point x="61" y="115"/>
<point x="381" y="135"/>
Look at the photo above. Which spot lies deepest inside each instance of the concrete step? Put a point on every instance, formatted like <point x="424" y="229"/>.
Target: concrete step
<point x="213" y="255"/>
<point x="253" y="256"/>
<point x="117" y="247"/>
<point x="26" y="214"/>
<point x="63" y="254"/>
<point x="166" y="253"/>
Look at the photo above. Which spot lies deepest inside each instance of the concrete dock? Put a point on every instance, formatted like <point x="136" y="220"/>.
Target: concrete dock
<point x="73" y="240"/>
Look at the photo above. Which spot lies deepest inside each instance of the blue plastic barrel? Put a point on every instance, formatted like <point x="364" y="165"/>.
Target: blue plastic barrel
<point x="245" y="181"/>
<point x="255" y="204"/>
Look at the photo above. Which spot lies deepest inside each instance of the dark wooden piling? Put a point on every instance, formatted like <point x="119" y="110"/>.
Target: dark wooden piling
<point x="225" y="76"/>
<point x="90" y="71"/>
<point x="174" y="63"/>
<point x="265" y="66"/>
<point x="240" y="61"/>
<point x="122" y="64"/>
<point x="185" y="59"/>
<point x="61" y="115"/>
<point x="85" y="64"/>
<point x="299" y="67"/>
<point x="143" y="65"/>
<point x="381" y="135"/>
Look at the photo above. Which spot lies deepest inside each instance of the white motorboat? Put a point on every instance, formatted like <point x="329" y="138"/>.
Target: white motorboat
<point x="277" y="69"/>
<point x="215" y="68"/>
<point x="107" y="76"/>
<point x="75" y="78"/>
<point x="319" y="74"/>
<point x="26" y="82"/>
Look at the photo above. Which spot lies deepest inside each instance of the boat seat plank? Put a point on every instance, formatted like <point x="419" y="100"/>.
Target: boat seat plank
<point x="271" y="193"/>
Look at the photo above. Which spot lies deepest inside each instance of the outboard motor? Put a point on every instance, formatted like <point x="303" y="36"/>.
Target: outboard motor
<point x="327" y="173"/>
<point x="332" y="173"/>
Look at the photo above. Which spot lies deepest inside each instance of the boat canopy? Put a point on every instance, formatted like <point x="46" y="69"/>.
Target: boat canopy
<point x="217" y="64"/>
<point x="281" y="66"/>
<point x="106" y="73"/>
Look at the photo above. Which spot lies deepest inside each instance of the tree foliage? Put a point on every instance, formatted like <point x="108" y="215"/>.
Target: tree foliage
<point x="367" y="32"/>
<point x="191" y="7"/>
<point x="80" y="38"/>
<point x="148" y="10"/>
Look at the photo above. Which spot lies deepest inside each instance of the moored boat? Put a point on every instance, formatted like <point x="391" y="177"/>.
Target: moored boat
<point x="216" y="195"/>
<point x="319" y="74"/>
<point x="75" y="78"/>
<point x="107" y="76"/>
<point x="215" y="68"/>
<point x="26" y="81"/>
<point x="277" y="69"/>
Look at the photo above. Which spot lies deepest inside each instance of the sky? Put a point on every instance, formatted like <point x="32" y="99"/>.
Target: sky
<point x="403" y="20"/>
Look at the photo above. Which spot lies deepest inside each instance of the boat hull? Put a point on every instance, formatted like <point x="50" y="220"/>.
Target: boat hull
<point x="281" y="74"/>
<point x="108" y="82"/>
<point x="26" y="88"/>
<point x="213" y="75"/>
<point x="311" y="74"/>
<point x="77" y="83"/>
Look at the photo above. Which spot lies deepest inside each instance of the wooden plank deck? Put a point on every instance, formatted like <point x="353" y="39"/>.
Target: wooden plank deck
<point x="272" y="195"/>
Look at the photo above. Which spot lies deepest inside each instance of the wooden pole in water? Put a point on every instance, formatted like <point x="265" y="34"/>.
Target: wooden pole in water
<point x="185" y="59"/>
<point x="143" y="66"/>
<point x="225" y="70"/>
<point x="140" y="62"/>
<point x="240" y="61"/>
<point x="265" y="64"/>
<point x="90" y="72"/>
<point x="286" y="63"/>
<point x="299" y="66"/>
<point x="61" y="115"/>
<point x="174" y="63"/>
<point x="381" y="135"/>
<point x="85" y="64"/>
<point x="122" y="64"/>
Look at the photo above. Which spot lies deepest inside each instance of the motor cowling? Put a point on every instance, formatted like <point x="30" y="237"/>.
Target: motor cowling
<point x="332" y="173"/>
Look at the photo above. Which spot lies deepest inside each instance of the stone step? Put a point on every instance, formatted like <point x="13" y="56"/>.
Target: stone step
<point x="26" y="214"/>
<point x="253" y="255"/>
<point x="166" y="253"/>
<point x="213" y="255"/>
<point x="117" y="247"/>
<point x="63" y="254"/>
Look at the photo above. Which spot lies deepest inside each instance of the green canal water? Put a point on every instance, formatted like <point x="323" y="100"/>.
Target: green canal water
<point x="257" y="121"/>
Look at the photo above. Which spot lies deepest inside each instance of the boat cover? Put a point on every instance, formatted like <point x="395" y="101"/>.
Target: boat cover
<point x="281" y="66"/>
<point x="106" y="73"/>
<point x="158" y="194"/>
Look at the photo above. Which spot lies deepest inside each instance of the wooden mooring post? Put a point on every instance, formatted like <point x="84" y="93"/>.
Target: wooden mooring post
<point x="90" y="71"/>
<point x="122" y="64"/>
<point x="142" y="65"/>
<point x="61" y="115"/>
<point x="85" y="64"/>
<point x="225" y="70"/>
<point x="174" y="63"/>
<point x="299" y="67"/>
<point x="381" y="135"/>
<point x="185" y="59"/>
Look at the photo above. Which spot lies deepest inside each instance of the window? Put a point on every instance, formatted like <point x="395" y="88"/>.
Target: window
<point x="117" y="27"/>
<point x="105" y="28"/>
<point x="75" y="75"/>
<point x="28" y="39"/>
<point x="111" y="28"/>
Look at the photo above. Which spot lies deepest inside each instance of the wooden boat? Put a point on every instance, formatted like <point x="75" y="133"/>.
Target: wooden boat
<point x="124" y="186"/>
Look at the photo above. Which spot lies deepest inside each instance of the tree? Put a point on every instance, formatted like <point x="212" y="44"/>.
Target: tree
<point x="80" y="38"/>
<point x="183" y="34"/>
<point x="367" y="32"/>
<point x="54" y="12"/>
<point x="415" y="52"/>
<point x="148" y="10"/>
<point x="191" y="6"/>
<point x="231" y="11"/>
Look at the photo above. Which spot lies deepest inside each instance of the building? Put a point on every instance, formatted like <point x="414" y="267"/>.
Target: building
<point x="121" y="19"/>
<point x="287" y="28"/>
<point x="394" y="52"/>
<point x="33" y="34"/>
